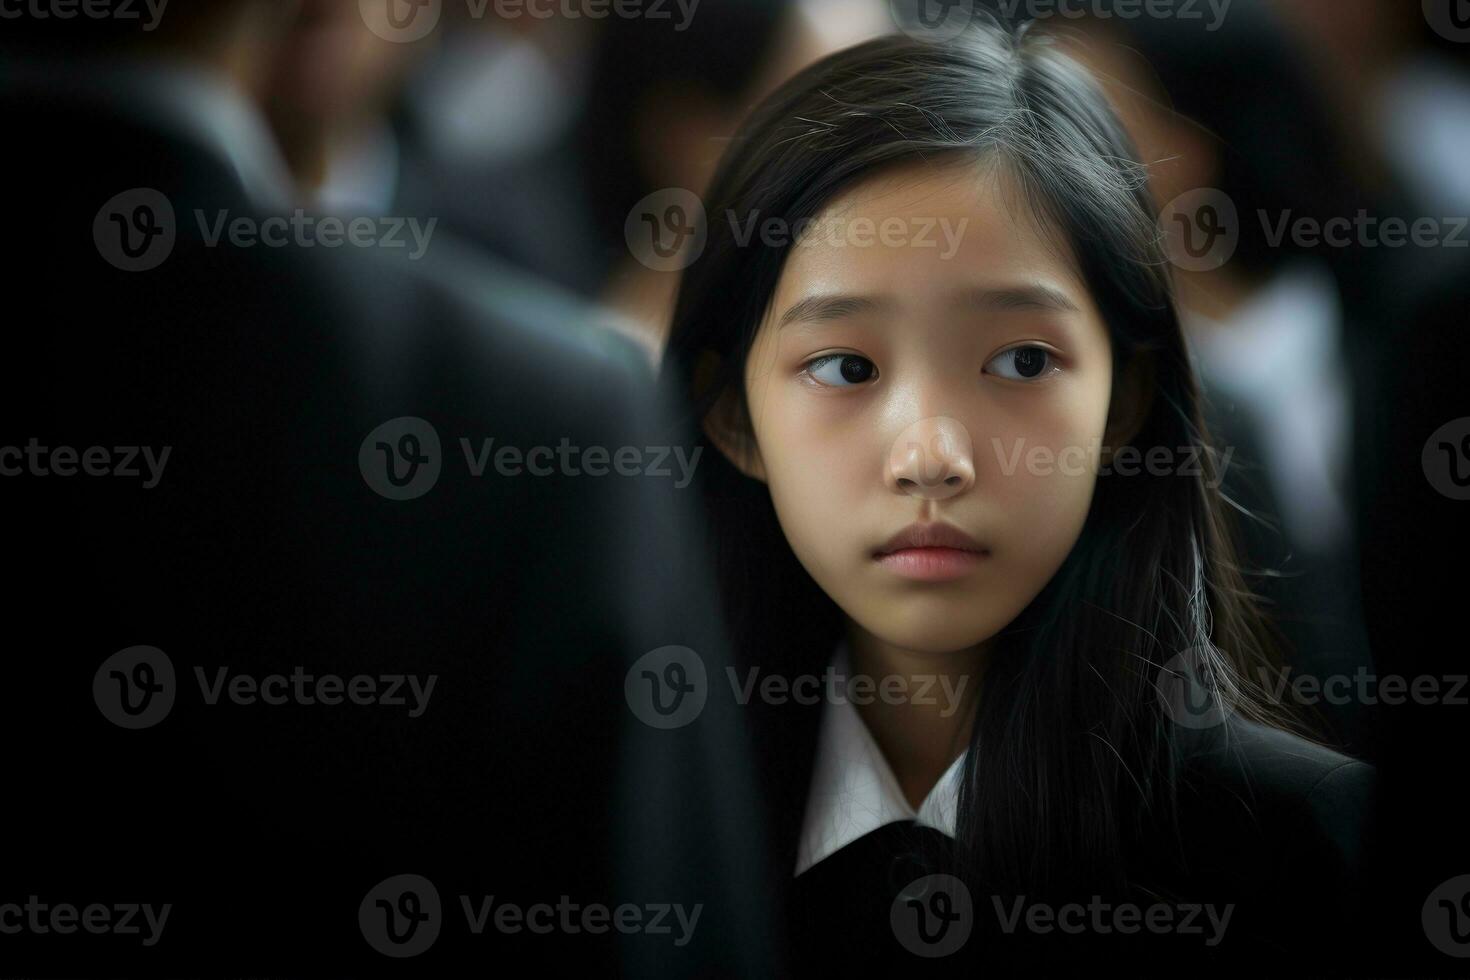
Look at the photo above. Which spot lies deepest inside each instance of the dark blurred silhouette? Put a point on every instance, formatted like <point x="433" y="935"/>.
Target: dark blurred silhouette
<point x="1412" y="451"/>
<point x="1399" y="89"/>
<point x="1230" y="109"/>
<point x="337" y="99"/>
<point x="271" y="544"/>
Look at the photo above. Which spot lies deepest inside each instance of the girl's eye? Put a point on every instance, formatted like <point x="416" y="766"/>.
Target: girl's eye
<point x="1022" y="363"/>
<point x="842" y="370"/>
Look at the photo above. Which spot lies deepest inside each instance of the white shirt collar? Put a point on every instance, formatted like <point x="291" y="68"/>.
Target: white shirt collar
<point x="853" y="790"/>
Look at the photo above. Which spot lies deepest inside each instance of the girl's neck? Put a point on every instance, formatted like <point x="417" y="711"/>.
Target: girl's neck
<point x="927" y="725"/>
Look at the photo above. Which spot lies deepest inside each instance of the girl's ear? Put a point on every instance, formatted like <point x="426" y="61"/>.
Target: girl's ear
<point x="1133" y="399"/>
<point x="726" y="427"/>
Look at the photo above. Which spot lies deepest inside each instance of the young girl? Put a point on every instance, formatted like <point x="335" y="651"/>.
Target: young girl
<point x="931" y="335"/>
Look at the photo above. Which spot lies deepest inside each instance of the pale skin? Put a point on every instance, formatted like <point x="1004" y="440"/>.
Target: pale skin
<point x="941" y="365"/>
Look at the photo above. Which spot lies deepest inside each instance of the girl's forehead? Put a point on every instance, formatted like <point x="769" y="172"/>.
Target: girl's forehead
<point x="919" y="228"/>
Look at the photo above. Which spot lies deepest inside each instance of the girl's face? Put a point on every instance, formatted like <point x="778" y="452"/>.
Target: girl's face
<point x="931" y="360"/>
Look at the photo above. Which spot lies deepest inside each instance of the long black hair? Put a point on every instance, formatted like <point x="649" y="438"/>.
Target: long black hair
<point x="1072" y="750"/>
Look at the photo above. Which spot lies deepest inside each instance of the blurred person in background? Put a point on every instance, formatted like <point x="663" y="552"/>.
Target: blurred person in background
<point x="329" y="99"/>
<point x="1398" y="80"/>
<point x="1230" y="110"/>
<point x="338" y="101"/>
<point x="533" y="135"/>
<point x="661" y="108"/>
<point x="300" y="523"/>
<point x="1399" y="75"/>
<point x="486" y="121"/>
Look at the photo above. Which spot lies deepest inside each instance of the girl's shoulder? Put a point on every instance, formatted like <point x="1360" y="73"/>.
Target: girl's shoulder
<point x="1260" y="803"/>
<point x="1276" y="768"/>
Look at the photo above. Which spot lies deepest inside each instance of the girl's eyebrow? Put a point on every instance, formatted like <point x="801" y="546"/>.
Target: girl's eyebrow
<point x="820" y="308"/>
<point x="1002" y="299"/>
<point x="1036" y="296"/>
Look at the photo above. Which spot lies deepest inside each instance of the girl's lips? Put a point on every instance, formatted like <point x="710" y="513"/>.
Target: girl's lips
<point x="935" y="564"/>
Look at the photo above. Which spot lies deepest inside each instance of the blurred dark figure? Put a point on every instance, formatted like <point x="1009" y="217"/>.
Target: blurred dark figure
<point x="335" y="98"/>
<point x="298" y="525"/>
<point x="661" y="108"/>
<point x="485" y="125"/>
<point x="1415" y="488"/>
<point x="1230" y="110"/>
<point x="533" y="137"/>
<point x="1396" y="108"/>
<point x="331" y="90"/>
<point x="1399" y="86"/>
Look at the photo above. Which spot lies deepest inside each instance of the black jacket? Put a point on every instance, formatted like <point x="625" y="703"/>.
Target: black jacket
<point x="267" y="547"/>
<point x="1273" y="829"/>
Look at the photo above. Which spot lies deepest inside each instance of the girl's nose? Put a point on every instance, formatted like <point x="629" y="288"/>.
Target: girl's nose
<point x="932" y="459"/>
